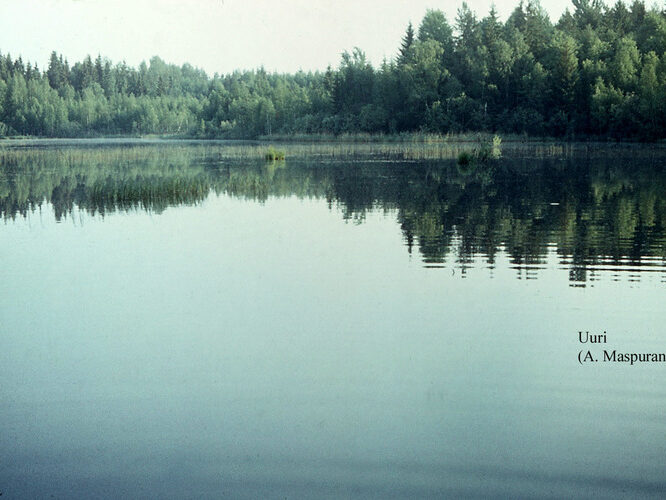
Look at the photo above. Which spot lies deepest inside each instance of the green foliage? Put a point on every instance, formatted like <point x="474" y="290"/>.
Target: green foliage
<point x="435" y="26"/>
<point x="484" y="152"/>
<point x="405" y="52"/>
<point x="598" y="72"/>
<point x="465" y="158"/>
<point x="274" y="154"/>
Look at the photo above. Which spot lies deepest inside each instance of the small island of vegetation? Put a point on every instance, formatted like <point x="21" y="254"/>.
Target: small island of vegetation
<point x="274" y="154"/>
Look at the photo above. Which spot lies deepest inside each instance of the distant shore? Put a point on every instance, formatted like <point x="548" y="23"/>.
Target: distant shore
<point x="402" y="138"/>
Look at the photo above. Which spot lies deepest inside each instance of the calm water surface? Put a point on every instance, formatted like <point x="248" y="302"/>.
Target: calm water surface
<point x="178" y="322"/>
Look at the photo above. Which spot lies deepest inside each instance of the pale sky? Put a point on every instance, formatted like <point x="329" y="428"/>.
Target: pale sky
<point x="221" y="35"/>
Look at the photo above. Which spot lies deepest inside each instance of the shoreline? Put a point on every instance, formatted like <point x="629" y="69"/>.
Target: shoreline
<point x="397" y="139"/>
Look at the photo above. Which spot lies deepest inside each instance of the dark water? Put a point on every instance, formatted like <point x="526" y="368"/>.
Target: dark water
<point x="177" y="322"/>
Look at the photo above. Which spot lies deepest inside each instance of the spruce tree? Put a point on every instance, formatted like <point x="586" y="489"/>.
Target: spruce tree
<point x="407" y="45"/>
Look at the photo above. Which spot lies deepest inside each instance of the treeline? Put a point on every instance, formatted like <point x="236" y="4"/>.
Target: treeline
<point x="600" y="72"/>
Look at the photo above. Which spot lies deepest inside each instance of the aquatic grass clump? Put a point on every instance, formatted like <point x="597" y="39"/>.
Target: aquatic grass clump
<point x="274" y="154"/>
<point x="483" y="153"/>
<point x="465" y="158"/>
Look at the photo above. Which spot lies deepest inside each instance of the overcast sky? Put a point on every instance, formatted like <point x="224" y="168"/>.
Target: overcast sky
<point x="221" y="35"/>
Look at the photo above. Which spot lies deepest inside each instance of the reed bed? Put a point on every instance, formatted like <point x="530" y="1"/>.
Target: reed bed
<point x="133" y="151"/>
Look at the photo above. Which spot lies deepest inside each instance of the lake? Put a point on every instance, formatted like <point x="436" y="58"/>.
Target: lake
<point x="185" y="320"/>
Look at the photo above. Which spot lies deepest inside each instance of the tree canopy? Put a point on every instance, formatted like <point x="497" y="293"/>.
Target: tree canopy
<point x="600" y="71"/>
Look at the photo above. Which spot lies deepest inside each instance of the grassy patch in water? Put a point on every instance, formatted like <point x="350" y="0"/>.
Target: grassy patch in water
<point x="274" y="154"/>
<point x="483" y="153"/>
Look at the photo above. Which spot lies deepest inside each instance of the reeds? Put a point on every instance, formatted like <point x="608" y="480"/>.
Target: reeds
<point x="274" y="154"/>
<point x="483" y="153"/>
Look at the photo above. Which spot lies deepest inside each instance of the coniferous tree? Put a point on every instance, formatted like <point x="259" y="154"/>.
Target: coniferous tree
<point x="405" y="52"/>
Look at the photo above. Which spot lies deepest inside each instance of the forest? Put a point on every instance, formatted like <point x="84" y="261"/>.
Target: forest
<point x="599" y="72"/>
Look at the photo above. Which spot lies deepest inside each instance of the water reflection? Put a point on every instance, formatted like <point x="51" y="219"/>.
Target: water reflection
<point x="254" y="345"/>
<point x="598" y="213"/>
